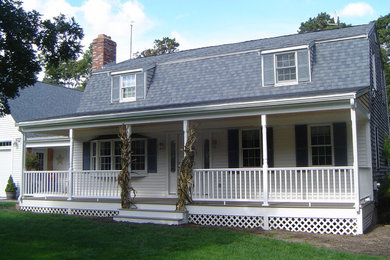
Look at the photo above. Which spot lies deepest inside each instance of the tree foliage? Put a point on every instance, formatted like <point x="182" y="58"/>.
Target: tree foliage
<point x="163" y="46"/>
<point x="323" y="21"/>
<point x="383" y="30"/>
<point x="73" y="73"/>
<point x="28" y="44"/>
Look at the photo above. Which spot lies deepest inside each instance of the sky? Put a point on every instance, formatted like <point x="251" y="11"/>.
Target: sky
<point x="199" y="23"/>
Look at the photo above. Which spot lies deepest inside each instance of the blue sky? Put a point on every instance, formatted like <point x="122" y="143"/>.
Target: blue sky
<point x="200" y="23"/>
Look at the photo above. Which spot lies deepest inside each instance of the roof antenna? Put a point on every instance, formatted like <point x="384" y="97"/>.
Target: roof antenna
<point x="336" y="20"/>
<point x="131" y="39"/>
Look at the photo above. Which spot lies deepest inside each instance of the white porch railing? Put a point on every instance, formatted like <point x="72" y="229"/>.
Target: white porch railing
<point x="308" y="184"/>
<point x="85" y="184"/>
<point x="228" y="184"/>
<point x="46" y="183"/>
<point x="325" y="184"/>
<point x="95" y="184"/>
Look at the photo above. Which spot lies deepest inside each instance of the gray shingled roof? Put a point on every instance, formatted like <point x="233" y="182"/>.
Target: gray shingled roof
<point x="207" y="75"/>
<point x="211" y="75"/>
<point x="44" y="101"/>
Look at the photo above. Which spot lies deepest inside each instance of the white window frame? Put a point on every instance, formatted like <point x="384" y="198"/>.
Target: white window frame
<point x="285" y="82"/>
<point x="241" y="157"/>
<point x="113" y="156"/>
<point x="122" y="88"/>
<point x="310" y="146"/>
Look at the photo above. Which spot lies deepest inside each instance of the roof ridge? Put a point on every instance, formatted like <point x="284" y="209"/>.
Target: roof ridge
<point x="60" y="86"/>
<point x="242" y="42"/>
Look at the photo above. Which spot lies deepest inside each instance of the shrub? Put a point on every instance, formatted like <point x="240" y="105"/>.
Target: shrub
<point x="11" y="187"/>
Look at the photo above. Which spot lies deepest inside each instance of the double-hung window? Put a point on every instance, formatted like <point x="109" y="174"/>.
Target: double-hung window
<point x="128" y="87"/>
<point x="251" y="155"/>
<point x="106" y="155"/>
<point x="321" y="145"/>
<point x="286" y="68"/>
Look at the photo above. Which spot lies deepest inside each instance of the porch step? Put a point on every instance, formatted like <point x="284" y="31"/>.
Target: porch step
<point x="152" y="216"/>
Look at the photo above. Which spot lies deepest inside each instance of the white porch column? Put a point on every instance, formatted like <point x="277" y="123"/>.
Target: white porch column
<point x="70" y="176"/>
<point x="185" y="133"/>
<point x="265" y="158"/>
<point x="355" y="155"/>
<point x="22" y="180"/>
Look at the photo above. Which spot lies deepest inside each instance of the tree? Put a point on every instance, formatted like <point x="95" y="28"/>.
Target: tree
<point x="28" y="43"/>
<point x="323" y="21"/>
<point x="163" y="46"/>
<point x="73" y="73"/>
<point x="383" y="31"/>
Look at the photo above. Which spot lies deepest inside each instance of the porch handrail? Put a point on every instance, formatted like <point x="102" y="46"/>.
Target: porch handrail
<point x="285" y="184"/>
<point x="239" y="184"/>
<point x="45" y="183"/>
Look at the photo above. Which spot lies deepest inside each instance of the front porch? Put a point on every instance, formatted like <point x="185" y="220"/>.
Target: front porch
<point x="281" y="170"/>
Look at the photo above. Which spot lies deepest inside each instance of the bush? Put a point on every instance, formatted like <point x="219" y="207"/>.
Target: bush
<point x="32" y="162"/>
<point x="384" y="201"/>
<point x="11" y="187"/>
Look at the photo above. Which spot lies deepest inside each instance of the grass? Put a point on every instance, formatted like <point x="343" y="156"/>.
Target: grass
<point x="25" y="235"/>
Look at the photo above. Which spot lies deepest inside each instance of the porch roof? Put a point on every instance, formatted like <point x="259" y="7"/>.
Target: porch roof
<point x="273" y="104"/>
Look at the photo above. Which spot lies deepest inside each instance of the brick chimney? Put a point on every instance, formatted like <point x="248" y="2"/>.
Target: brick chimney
<point x="103" y="51"/>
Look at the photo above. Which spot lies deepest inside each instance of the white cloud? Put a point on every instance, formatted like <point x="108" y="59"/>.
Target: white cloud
<point x="110" y="17"/>
<point x="357" y="10"/>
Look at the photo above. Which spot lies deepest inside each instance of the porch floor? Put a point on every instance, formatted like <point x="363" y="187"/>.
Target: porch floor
<point x="172" y="201"/>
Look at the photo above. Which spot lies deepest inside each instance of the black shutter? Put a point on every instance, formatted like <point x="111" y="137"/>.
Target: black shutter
<point x="86" y="156"/>
<point x="340" y="144"/>
<point x="270" y="146"/>
<point x="233" y="148"/>
<point x="301" y="149"/>
<point x="152" y="155"/>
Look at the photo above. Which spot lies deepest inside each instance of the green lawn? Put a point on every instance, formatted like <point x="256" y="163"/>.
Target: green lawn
<point x="26" y="235"/>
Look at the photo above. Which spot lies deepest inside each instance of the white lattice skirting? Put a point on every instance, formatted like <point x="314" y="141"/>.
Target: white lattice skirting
<point x="227" y="221"/>
<point x="341" y="226"/>
<point x="80" y="212"/>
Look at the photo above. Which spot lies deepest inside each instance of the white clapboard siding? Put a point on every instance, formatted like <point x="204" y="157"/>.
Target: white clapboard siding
<point x="8" y="132"/>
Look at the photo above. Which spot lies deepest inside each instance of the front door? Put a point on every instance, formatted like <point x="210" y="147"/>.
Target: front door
<point x="175" y="152"/>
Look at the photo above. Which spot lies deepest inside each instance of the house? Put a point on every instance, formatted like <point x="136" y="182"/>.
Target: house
<point x="40" y="101"/>
<point x="289" y="134"/>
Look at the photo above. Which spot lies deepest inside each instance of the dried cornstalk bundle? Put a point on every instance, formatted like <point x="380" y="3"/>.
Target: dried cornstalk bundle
<point x="185" y="170"/>
<point x="127" y="191"/>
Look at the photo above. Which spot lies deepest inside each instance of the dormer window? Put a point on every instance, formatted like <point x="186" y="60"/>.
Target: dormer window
<point x="286" y="67"/>
<point x="128" y="87"/>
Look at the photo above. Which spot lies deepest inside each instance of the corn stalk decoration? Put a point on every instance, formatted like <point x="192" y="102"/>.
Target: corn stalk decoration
<point x="124" y="180"/>
<point x="184" y="191"/>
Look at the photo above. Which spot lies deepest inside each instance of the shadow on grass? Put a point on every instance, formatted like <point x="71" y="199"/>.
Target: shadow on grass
<point x="26" y="235"/>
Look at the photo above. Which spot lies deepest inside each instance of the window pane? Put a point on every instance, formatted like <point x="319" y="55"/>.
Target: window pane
<point x="117" y="163"/>
<point x="128" y="92"/>
<point x="321" y="145"/>
<point x="250" y="139"/>
<point x="94" y="149"/>
<point x="117" y="149"/>
<point x="105" y="163"/>
<point x="105" y="148"/>
<point x="286" y="74"/>
<point x="285" y="60"/>
<point x="138" y="156"/>
<point x="128" y="81"/>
